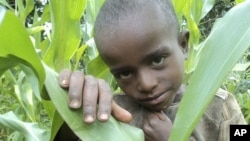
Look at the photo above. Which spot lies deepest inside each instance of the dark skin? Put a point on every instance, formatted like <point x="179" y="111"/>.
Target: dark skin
<point x="81" y="94"/>
<point x="148" y="64"/>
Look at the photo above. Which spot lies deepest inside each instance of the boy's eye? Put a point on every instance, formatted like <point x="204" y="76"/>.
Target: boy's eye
<point x="125" y="75"/>
<point x="158" y="60"/>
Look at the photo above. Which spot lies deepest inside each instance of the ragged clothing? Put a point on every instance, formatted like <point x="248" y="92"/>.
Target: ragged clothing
<point x="214" y="124"/>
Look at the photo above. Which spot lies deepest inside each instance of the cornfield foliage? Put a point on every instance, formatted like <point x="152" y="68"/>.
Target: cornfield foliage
<point x="39" y="38"/>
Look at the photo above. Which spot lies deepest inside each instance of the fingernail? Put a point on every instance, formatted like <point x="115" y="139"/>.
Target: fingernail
<point x="64" y="82"/>
<point x="74" y="104"/>
<point x="103" y="117"/>
<point x="88" y="119"/>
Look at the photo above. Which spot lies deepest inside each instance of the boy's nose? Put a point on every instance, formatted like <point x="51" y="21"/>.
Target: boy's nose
<point x="146" y="81"/>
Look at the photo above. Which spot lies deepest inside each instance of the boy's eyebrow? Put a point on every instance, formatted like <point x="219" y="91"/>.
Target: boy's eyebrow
<point x="118" y="69"/>
<point x="152" y="54"/>
<point x="156" y="52"/>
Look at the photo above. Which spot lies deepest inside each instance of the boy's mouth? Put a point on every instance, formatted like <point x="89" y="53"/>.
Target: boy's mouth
<point x="155" y="100"/>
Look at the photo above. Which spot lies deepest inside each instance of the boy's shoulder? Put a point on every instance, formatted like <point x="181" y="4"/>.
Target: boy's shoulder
<point x="223" y="111"/>
<point x="223" y="94"/>
<point x="226" y="106"/>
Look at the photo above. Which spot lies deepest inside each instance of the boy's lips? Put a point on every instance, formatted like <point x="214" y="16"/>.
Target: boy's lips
<point x="155" y="100"/>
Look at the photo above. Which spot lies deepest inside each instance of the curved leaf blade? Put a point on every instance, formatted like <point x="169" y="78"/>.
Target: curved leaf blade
<point x="65" y="17"/>
<point x="31" y="131"/>
<point x="222" y="49"/>
<point x="98" y="68"/>
<point x="16" y="46"/>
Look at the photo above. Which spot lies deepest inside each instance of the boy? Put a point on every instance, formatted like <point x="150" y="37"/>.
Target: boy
<point x="141" y="43"/>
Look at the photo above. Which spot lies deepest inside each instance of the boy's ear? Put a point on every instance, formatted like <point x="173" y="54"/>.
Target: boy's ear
<point x="183" y="42"/>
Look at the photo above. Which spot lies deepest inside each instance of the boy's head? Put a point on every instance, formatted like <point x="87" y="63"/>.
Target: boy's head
<point x="140" y="42"/>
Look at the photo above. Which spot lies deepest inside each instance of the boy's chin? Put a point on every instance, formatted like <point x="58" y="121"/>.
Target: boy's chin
<point x="156" y="108"/>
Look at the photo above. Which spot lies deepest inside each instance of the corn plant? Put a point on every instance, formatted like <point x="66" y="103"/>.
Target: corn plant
<point x="218" y="55"/>
<point x="37" y="63"/>
<point x="31" y="54"/>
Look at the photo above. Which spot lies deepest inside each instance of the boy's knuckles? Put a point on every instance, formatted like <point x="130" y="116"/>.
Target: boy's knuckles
<point x="102" y="82"/>
<point x="65" y="72"/>
<point x="77" y="72"/>
<point x="89" y="109"/>
<point x="146" y="128"/>
<point x="90" y="81"/>
<point x="90" y="77"/>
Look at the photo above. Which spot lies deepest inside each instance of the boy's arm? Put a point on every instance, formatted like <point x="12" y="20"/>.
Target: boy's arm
<point x="93" y="95"/>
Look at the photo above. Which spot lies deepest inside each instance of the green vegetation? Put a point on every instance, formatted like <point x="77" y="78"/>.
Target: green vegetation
<point x="38" y="38"/>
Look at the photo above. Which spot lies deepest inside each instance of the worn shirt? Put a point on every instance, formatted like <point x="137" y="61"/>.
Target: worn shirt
<point x="214" y="124"/>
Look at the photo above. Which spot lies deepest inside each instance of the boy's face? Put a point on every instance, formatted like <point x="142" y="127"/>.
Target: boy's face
<point x="146" y="60"/>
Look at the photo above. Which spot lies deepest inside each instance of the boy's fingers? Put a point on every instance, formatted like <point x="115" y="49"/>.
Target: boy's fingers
<point x="161" y="115"/>
<point x="90" y="97"/>
<point x="151" y="117"/>
<point x="75" y="89"/>
<point x="105" y="100"/>
<point x="120" y="114"/>
<point x="64" y="78"/>
<point x="157" y="116"/>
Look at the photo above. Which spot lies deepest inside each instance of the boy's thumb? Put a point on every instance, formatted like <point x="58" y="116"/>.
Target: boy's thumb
<point x="120" y="114"/>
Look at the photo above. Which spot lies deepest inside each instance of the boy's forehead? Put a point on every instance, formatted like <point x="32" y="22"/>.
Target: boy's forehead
<point x="142" y="23"/>
<point x="132" y="15"/>
<point x="134" y="29"/>
<point x="133" y="39"/>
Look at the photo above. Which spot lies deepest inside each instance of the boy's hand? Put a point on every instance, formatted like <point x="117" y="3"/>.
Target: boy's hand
<point x="157" y="126"/>
<point x="93" y="95"/>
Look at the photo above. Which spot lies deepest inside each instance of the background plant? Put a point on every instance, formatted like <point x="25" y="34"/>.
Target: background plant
<point x="217" y="56"/>
<point x="62" y="37"/>
<point x="36" y="63"/>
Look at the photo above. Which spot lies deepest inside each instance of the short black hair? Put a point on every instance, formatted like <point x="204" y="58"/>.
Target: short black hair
<point x="113" y="11"/>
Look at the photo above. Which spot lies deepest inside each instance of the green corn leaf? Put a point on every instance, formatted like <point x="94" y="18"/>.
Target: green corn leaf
<point x="108" y="131"/>
<point x="44" y="18"/>
<point x="5" y="3"/>
<point x="56" y="124"/>
<point x="222" y="49"/>
<point x="179" y="6"/>
<point x="31" y="131"/>
<point x="207" y="6"/>
<point x="98" y="68"/>
<point x="65" y="18"/>
<point x="24" y="9"/>
<point x="241" y="66"/>
<point x="78" y="55"/>
<point x="16" y="47"/>
<point x="193" y="11"/>
<point x="32" y="80"/>
<point x="92" y="9"/>
<point x="239" y="1"/>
